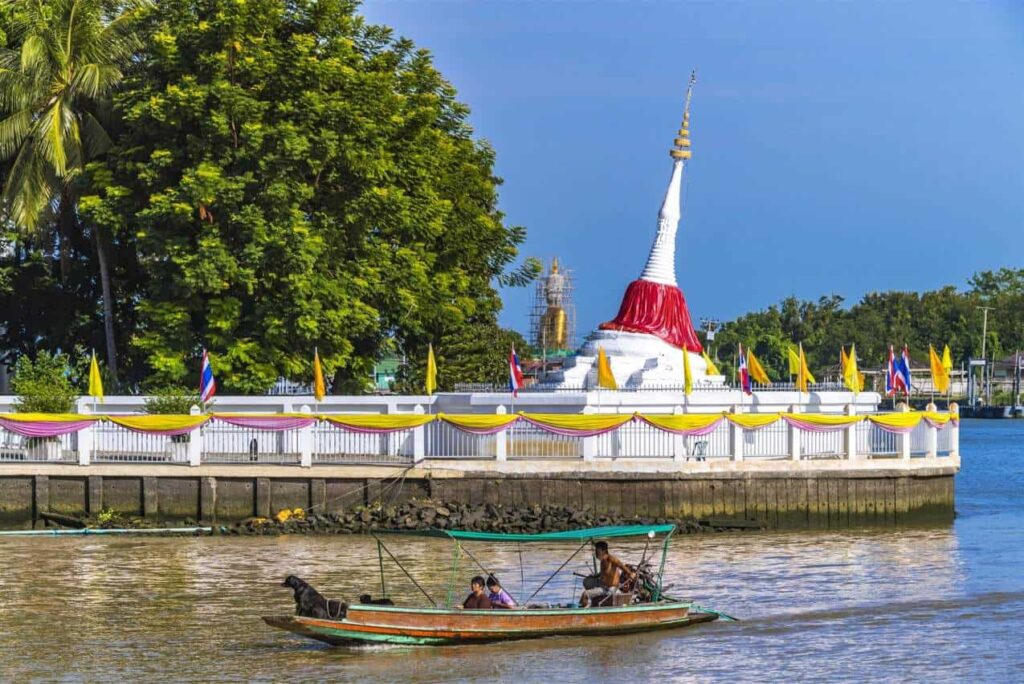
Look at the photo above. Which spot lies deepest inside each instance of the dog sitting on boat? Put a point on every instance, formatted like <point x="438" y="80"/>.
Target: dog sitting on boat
<point x="368" y="600"/>
<point x="311" y="603"/>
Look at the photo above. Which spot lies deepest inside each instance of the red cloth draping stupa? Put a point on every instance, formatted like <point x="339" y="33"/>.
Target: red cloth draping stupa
<point x="657" y="309"/>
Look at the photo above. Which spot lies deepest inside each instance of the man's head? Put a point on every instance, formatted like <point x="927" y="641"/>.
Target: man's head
<point x="601" y="550"/>
<point x="492" y="583"/>
<point x="477" y="584"/>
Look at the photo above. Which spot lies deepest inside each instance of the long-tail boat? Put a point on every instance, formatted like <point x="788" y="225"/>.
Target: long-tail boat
<point x="641" y="607"/>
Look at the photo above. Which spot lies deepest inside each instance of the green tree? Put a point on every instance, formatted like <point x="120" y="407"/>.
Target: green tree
<point x="43" y="384"/>
<point x="471" y="354"/>
<point x="292" y="177"/>
<point x="62" y="61"/>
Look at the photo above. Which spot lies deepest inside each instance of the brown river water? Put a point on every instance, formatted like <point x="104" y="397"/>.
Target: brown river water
<point x="937" y="604"/>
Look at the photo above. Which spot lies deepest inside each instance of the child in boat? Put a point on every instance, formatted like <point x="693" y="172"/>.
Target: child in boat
<point x="597" y="590"/>
<point x="477" y="599"/>
<point x="498" y="596"/>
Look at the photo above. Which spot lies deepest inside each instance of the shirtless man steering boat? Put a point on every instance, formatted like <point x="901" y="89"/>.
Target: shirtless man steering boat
<point x="599" y="589"/>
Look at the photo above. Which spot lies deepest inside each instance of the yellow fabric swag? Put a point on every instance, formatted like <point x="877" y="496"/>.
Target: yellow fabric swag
<point x="476" y="422"/>
<point x="685" y="421"/>
<point x="908" y="419"/>
<point x="48" y="417"/>
<point x="158" y="422"/>
<point x="752" y="421"/>
<point x="564" y="421"/>
<point x="380" y="422"/>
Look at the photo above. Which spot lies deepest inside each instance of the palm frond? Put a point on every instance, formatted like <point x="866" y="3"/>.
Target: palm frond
<point x="94" y="137"/>
<point x="29" y="190"/>
<point x="50" y="141"/>
<point x="13" y="131"/>
<point x="34" y="54"/>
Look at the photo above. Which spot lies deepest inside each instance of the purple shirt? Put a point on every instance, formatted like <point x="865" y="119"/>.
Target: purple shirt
<point x="501" y="599"/>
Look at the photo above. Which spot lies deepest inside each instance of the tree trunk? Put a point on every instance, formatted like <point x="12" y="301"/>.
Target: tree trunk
<point x="65" y="227"/>
<point x="102" y="257"/>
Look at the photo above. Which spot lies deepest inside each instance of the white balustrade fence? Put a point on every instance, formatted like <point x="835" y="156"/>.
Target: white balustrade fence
<point x="16" y="448"/>
<point x="527" y="441"/>
<point x="333" y="445"/>
<point x="224" y="443"/>
<point x="769" y="442"/>
<point x="324" y="443"/>
<point x="115" y="444"/>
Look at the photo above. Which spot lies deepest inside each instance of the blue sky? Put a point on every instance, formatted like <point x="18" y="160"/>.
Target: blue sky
<point x="838" y="147"/>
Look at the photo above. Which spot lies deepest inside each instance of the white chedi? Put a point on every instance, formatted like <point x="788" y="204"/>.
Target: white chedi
<point x="642" y="360"/>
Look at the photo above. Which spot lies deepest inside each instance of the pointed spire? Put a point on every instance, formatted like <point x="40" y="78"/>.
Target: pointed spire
<point x="681" y="150"/>
<point x="661" y="263"/>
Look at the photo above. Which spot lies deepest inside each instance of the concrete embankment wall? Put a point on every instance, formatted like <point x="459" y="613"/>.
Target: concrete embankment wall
<point x="793" y="499"/>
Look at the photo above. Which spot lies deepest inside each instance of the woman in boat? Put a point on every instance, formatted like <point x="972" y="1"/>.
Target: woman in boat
<point x="498" y="596"/>
<point x="477" y="599"/>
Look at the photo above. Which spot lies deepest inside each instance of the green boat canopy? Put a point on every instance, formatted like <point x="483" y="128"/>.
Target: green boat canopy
<point x="567" y="535"/>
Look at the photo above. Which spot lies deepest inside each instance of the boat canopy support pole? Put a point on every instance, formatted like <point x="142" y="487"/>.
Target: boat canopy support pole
<point x="380" y="562"/>
<point x="661" y="570"/>
<point x="560" y="568"/>
<point x="380" y="545"/>
<point x="455" y="572"/>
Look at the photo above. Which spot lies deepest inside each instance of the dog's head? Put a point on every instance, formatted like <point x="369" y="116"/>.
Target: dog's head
<point x="365" y="599"/>
<point x="293" y="582"/>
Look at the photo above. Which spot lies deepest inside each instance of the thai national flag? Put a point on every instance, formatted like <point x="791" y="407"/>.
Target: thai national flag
<point x="515" y="373"/>
<point x="897" y="374"/>
<point x="903" y="370"/>
<point x="207" y="385"/>
<point x="744" y="375"/>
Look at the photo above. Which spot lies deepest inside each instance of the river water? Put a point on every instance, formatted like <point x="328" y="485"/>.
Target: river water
<point x="938" y="604"/>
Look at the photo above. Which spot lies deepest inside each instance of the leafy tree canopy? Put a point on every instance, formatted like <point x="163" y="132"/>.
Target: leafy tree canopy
<point x="282" y="176"/>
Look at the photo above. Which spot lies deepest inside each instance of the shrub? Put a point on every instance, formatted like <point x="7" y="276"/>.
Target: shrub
<point x="43" y="385"/>
<point x="171" y="400"/>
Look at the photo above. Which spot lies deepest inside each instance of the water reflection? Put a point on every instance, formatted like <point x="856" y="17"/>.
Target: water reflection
<point x="188" y="608"/>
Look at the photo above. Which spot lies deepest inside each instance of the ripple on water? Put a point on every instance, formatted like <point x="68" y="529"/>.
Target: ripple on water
<point x="867" y="605"/>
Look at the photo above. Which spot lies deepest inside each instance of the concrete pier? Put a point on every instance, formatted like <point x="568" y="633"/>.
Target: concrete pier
<point x="776" y="494"/>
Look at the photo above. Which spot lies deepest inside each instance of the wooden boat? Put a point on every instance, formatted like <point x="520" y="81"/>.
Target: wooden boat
<point x="428" y="626"/>
<point x="369" y="624"/>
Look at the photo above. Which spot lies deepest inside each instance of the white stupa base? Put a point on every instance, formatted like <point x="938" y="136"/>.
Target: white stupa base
<point x="638" y="361"/>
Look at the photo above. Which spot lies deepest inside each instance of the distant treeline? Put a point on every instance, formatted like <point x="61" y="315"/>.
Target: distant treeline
<point x="945" y="316"/>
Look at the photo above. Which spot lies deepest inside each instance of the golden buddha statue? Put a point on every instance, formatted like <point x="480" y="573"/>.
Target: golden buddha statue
<point x="553" y="324"/>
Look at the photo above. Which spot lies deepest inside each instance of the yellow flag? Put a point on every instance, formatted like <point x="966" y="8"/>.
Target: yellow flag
<point x="605" y="378"/>
<point x="803" y="375"/>
<point x="95" y="381"/>
<point x="431" y="379"/>
<point x="319" y="389"/>
<point x="794" y="360"/>
<point x="712" y="368"/>
<point x="756" y="370"/>
<point x="687" y="374"/>
<point x="940" y="378"/>
<point x="947" y="360"/>
<point x="852" y="378"/>
<point x="843" y="360"/>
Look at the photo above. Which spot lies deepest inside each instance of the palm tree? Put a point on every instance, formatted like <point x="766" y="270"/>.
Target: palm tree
<point x="64" y="61"/>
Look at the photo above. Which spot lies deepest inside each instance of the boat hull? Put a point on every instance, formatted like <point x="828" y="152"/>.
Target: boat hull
<point x="390" y="625"/>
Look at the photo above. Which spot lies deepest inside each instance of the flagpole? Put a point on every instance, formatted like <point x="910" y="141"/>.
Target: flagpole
<point x="97" y="372"/>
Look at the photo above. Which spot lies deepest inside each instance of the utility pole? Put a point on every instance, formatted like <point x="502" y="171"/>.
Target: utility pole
<point x="984" y="339"/>
<point x="710" y="326"/>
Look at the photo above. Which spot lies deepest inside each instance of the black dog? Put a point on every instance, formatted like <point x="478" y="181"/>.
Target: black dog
<point x="311" y="603"/>
<point x="368" y="600"/>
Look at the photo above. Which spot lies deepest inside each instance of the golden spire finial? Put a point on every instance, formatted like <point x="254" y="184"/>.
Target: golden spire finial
<point x="681" y="151"/>
<point x="554" y="265"/>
